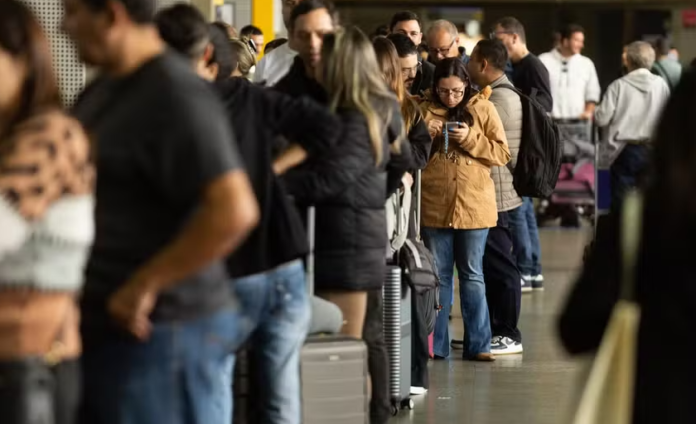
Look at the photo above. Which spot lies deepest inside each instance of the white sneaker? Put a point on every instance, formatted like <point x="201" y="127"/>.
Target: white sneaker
<point x="537" y="282"/>
<point x="417" y="391"/>
<point x="505" y="346"/>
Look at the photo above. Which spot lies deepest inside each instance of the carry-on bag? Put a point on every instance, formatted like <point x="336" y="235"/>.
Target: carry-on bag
<point x="333" y="368"/>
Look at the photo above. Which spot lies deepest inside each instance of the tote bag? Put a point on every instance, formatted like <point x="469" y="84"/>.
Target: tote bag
<point x="607" y="397"/>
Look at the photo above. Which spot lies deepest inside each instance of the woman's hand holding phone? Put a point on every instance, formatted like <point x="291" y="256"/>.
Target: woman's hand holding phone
<point x="459" y="134"/>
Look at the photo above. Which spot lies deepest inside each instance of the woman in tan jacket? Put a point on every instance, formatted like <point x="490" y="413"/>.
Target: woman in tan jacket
<point x="458" y="205"/>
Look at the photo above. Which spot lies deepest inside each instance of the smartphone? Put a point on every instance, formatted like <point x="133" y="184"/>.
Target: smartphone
<point x="449" y="126"/>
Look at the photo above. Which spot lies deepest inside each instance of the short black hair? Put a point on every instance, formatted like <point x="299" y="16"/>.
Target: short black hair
<point x="662" y="46"/>
<point x="381" y="31"/>
<point x="569" y="30"/>
<point x="140" y="11"/>
<point x="403" y="17"/>
<point x="184" y="29"/>
<point x="404" y="45"/>
<point x="513" y="26"/>
<point x="249" y="30"/>
<point x="274" y="44"/>
<point x="222" y="52"/>
<point x="308" y="6"/>
<point x="494" y="52"/>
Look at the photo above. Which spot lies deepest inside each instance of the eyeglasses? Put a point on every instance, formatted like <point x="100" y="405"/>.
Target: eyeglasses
<point x="456" y="93"/>
<point x="411" y="71"/>
<point x="442" y="51"/>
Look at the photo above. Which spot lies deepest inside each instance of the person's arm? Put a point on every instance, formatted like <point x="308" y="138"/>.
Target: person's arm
<point x="301" y="120"/>
<point x="401" y="157"/>
<point x="604" y="114"/>
<point x="197" y="165"/>
<point x="421" y="143"/>
<point x="592" y="299"/>
<point x="488" y="144"/>
<point x="592" y="93"/>
<point x="542" y="82"/>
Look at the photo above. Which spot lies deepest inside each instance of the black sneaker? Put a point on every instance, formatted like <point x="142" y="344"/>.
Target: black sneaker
<point x="537" y="282"/>
<point x="505" y="346"/>
<point x="526" y="284"/>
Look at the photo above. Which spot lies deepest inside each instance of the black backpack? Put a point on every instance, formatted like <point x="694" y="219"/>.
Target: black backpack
<point x="541" y="150"/>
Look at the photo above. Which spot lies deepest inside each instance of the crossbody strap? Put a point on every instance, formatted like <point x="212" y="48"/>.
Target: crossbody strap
<point x="631" y="231"/>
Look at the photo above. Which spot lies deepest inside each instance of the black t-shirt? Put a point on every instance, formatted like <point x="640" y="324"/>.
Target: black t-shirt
<point x="161" y="137"/>
<point x="530" y="76"/>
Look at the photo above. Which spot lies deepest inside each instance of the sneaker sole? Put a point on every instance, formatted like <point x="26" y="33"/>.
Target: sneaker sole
<point x="537" y="289"/>
<point x="527" y="289"/>
<point x="510" y="351"/>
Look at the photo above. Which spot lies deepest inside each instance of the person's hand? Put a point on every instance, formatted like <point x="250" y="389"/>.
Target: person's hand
<point x="435" y="128"/>
<point x="408" y="179"/>
<point x="132" y="305"/>
<point x="458" y="135"/>
<point x="586" y="116"/>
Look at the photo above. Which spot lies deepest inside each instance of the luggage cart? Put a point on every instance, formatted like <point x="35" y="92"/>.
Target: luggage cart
<point x="574" y="195"/>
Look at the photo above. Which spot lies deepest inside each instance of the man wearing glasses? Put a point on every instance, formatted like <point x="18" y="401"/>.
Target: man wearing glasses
<point x="443" y="42"/>
<point x="408" y="24"/>
<point x="418" y="75"/>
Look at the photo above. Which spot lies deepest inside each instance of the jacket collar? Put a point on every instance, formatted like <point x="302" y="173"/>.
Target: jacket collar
<point x="500" y="81"/>
<point x="304" y="84"/>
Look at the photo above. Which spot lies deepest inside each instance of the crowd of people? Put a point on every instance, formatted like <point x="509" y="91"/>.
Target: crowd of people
<point x="171" y="198"/>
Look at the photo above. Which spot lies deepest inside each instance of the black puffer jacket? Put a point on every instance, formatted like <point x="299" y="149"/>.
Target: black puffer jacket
<point x="349" y="191"/>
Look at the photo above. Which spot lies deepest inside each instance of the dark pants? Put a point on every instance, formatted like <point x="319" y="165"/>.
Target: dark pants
<point x="33" y="394"/>
<point x="421" y="306"/>
<point x="503" y="287"/>
<point x="627" y="170"/>
<point x="378" y="358"/>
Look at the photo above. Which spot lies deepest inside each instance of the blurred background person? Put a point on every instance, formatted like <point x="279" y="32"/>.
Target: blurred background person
<point x="663" y="286"/>
<point x="272" y="45"/>
<point x="442" y="39"/>
<point x="629" y="112"/>
<point x="274" y="66"/>
<point x="46" y="207"/>
<point x="255" y="36"/>
<point x="245" y="60"/>
<point x="666" y="65"/>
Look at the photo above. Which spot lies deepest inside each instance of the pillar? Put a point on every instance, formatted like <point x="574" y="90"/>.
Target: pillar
<point x="263" y="17"/>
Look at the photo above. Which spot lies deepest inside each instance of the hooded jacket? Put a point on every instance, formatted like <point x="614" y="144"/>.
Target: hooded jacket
<point x="629" y="111"/>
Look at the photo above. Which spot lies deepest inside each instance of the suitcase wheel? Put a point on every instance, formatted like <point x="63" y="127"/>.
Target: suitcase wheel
<point x="408" y="404"/>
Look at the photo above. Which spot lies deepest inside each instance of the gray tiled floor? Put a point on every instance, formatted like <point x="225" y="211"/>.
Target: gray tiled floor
<point x="534" y="388"/>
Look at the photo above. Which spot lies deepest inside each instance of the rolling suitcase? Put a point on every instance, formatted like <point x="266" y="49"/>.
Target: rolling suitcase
<point x="397" y="328"/>
<point x="333" y="369"/>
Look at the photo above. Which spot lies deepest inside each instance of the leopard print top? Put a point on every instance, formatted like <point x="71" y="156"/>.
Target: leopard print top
<point x="45" y="158"/>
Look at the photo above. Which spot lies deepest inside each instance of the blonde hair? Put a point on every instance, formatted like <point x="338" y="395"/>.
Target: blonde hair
<point x="388" y="59"/>
<point x="243" y="55"/>
<point x="353" y="80"/>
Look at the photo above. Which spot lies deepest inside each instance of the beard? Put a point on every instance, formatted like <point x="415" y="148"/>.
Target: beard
<point x="409" y="83"/>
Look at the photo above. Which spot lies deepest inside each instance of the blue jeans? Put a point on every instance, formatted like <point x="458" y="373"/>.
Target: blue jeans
<point x="173" y="377"/>
<point x="277" y="304"/>
<point x="463" y="248"/>
<point x="525" y="238"/>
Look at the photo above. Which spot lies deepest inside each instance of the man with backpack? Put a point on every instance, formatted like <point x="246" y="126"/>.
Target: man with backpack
<point x="503" y="291"/>
<point x="531" y="77"/>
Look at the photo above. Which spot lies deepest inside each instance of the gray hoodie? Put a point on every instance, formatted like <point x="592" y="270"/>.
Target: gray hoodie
<point x="629" y="111"/>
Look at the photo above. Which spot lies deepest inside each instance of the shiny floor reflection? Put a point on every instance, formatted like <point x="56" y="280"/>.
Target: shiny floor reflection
<point x="534" y="388"/>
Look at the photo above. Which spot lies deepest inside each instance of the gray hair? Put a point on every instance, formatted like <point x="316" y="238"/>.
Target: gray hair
<point x="444" y="25"/>
<point x="640" y="55"/>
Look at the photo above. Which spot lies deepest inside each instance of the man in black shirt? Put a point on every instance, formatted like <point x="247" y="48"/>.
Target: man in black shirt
<point x="172" y="201"/>
<point x="529" y="75"/>
<point x="409" y="24"/>
<point x="532" y="78"/>
<point x="270" y="260"/>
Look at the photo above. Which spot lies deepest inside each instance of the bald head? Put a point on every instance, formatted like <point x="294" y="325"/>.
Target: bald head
<point x="443" y="40"/>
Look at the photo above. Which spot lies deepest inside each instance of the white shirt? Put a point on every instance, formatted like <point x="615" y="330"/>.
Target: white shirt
<point x="275" y="65"/>
<point x="574" y="83"/>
